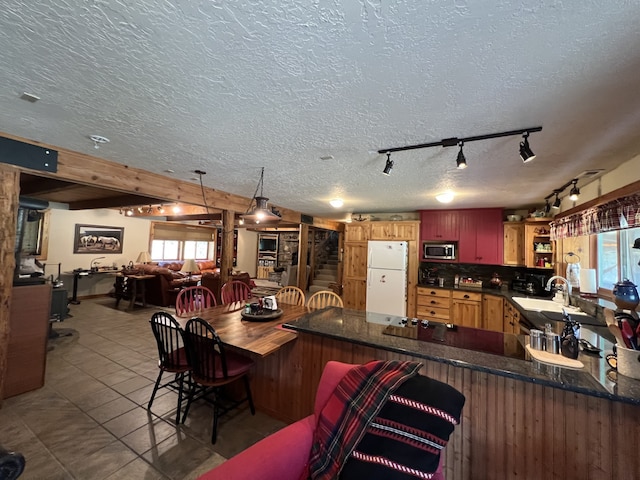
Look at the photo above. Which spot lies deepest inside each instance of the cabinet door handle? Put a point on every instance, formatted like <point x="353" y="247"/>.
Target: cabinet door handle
<point x="433" y="302"/>
<point x="432" y="312"/>
<point x="432" y="292"/>
<point x="466" y="296"/>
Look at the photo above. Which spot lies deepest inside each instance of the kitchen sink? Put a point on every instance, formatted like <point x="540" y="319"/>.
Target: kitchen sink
<point x="553" y="310"/>
<point x="539" y="305"/>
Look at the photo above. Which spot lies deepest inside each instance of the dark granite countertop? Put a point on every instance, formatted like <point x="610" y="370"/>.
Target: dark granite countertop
<point x="365" y="328"/>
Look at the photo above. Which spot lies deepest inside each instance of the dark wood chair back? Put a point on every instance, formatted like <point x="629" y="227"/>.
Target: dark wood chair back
<point x="169" y="340"/>
<point x="206" y="352"/>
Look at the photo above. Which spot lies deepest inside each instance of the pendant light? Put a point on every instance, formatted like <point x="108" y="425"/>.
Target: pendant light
<point x="260" y="213"/>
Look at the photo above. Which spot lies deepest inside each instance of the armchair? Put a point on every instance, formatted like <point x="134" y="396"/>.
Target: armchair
<point x="285" y="454"/>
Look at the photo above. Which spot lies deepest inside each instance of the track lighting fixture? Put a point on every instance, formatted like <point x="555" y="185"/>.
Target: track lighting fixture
<point x="389" y="165"/>
<point x="573" y="194"/>
<point x="526" y="154"/>
<point x="575" y="191"/>
<point x="461" y="162"/>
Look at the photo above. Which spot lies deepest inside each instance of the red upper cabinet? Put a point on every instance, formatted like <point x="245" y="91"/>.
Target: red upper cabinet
<point x="481" y="236"/>
<point x="439" y="225"/>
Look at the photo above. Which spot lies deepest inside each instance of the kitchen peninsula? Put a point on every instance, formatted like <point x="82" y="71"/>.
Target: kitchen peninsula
<point x="522" y="419"/>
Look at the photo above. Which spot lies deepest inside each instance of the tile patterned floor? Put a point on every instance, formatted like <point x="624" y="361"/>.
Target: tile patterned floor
<point x="90" y="420"/>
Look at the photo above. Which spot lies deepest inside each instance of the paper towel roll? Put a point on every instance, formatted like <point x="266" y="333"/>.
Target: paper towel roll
<point x="588" y="283"/>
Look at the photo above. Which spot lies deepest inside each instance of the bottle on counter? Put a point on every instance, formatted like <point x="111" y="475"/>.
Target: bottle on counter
<point x="456" y="280"/>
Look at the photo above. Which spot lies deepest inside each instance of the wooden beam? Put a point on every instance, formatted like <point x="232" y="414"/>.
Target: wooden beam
<point x="226" y="261"/>
<point x="88" y="170"/>
<point x="303" y="253"/>
<point x="112" y="202"/>
<point x="10" y="178"/>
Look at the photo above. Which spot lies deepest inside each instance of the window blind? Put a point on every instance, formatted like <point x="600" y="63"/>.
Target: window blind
<point x="182" y="231"/>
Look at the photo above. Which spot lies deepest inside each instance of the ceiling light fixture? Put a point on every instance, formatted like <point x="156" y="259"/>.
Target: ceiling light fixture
<point x="260" y="213"/>
<point x="574" y="193"/>
<point x="130" y="212"/>
<point x="526" y="154"/>
<point x="336" y="202"/>
<point x="461" y="162"/>
<point x="98" y="140"/>
<point x="525" y="150"/>
<point x="389" y="165"/>
<point x="445" y="197"/>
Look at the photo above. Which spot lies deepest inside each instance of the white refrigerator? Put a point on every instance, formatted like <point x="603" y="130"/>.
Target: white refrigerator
<point x="387" y="277"/>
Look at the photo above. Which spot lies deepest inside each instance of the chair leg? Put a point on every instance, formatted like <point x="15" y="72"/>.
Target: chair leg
<point x="214" y="432"/>
<point x="180" y="390"/>
<point x="249" y="397"/>
<point x="189" y="401"/>
<point x="155" y="389"/>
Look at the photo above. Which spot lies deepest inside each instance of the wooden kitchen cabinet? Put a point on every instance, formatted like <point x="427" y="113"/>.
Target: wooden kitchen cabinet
<point x="481" y="236"/>
<point x="357" y="232"/>
<point x="439" y="225"/>
<point x="538" y="232"/>
<point x="355" y="275"/>
<point x="511" y="317"/>
<point x="492" y="313"/>
<point x="466" y="308"/>
<point x="513" y="241"/>
<point x="394" y="230"/>
<point x="433" y="304"/>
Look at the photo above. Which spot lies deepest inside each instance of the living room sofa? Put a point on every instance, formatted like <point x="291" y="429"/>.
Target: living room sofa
<point x="162" y="289"/>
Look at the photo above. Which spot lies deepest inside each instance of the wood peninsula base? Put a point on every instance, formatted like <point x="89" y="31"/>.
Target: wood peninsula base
<point x="510" y="428"/>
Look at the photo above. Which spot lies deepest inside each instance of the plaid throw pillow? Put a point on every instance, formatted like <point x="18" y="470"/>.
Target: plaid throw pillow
<point x="405" y="440"/>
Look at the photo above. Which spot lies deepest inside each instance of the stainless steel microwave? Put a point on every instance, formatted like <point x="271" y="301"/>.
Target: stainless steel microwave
<point x="440" y="251"/>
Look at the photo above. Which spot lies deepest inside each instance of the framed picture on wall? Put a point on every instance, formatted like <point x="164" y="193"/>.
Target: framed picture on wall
<point x="97" y="239"/>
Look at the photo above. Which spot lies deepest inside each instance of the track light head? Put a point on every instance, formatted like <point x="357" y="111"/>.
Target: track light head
<point x="461" y="162"/>
<point x="575" y="191"/>
<point x="389" y="165"/>
<point x="556" y="203"/>
<point x="526" y="154"/>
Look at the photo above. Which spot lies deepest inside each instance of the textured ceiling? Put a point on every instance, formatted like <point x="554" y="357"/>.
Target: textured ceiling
<point x="229" y="87"/>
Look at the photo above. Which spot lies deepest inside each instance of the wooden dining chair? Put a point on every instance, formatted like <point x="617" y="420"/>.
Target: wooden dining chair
<point x="192" y="300"/>
<point x="172" y="356"/>
<point x="235" y="291"/>
<point x="213" y="368"/>
<point x="291" y="295"/>
<point x="324" y="298"/>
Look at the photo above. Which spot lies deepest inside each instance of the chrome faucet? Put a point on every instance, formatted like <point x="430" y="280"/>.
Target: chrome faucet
<point x="566" y="293"/>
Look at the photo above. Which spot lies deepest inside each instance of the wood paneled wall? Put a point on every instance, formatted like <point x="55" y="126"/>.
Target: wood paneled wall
<point x="510" y="429"/>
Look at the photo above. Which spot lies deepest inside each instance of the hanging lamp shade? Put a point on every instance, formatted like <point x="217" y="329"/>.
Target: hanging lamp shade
<point x="260" y="213"/>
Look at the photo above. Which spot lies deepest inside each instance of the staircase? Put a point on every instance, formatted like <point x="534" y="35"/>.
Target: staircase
<point x="326" y="271"/>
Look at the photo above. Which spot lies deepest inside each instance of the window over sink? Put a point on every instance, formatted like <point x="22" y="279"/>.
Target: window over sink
<point x="617" y="259"/>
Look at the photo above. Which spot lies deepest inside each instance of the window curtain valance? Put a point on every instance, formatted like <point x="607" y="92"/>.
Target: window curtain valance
<point x="614" y="215"/>
<point x="181" y="231"/>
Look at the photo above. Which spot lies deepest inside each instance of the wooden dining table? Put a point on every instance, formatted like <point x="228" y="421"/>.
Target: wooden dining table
<point x="257" y="338"/>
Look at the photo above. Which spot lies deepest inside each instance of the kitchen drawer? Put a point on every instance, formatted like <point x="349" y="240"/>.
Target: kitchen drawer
<point x="432" y="313"/>
<point x="472" y="296"/>
<point x="434" y="292"/>
<point x="433" y="301"/>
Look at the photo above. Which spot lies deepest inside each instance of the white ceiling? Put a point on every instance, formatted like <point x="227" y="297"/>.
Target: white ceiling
<point x="229" y="87"/>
